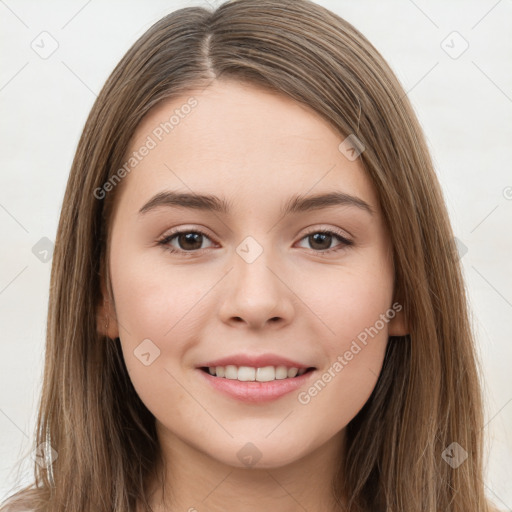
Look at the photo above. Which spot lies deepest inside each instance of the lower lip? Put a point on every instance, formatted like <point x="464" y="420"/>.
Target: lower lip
<point x="254" y="391"/>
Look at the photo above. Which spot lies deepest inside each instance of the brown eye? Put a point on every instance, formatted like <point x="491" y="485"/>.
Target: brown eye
<point x="189" y="241"/>
<point x="320" y="241"/>
<point x="185" y="241"/>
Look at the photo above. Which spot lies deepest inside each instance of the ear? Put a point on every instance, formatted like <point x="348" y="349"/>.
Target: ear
<point x="398" y="324"/>
<point x="106" y="320"/>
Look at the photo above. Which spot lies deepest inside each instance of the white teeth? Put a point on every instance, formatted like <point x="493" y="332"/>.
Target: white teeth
<point x="265" y="374"/>
<point x="281" y="372"/>
<point x="248" y="373"/>
<point x="231" y="372"/>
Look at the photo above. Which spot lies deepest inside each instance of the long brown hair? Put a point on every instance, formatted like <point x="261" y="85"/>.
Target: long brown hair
<point x="428" y="395"/>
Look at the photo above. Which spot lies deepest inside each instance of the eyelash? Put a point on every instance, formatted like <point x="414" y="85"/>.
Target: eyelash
<point x="166" y="240"/>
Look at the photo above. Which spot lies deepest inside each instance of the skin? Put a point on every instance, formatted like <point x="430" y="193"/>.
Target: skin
<point x="255" y="148"/>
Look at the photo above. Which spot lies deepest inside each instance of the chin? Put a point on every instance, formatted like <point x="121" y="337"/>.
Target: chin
<point x="261" y="453"/>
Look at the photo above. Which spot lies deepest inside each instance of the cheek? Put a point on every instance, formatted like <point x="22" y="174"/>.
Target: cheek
<point x="156" y="308"/>
<point x="352" y="300"/>
<point x="355" y="344"/>
<point x="153" y="301"/>
<point x="352" y="305"/>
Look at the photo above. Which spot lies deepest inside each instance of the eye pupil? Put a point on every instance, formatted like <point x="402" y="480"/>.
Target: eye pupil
<point x="319" y="238"/>
<point x="187" y="238"/>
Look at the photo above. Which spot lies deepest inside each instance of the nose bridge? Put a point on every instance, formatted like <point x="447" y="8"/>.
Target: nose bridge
<point x="252" y="274"/>
<point x="256" y="294"/>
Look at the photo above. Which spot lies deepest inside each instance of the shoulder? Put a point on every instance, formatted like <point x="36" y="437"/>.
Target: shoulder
<point x="26" y="500"/>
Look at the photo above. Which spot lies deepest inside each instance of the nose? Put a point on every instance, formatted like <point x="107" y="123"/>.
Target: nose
<point x="256" y="294"/>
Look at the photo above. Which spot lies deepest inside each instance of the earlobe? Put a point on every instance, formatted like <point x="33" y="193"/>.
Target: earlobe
<point x="398" y="325"/>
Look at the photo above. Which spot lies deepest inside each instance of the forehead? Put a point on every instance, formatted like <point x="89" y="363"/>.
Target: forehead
<point x="234" y="137"/>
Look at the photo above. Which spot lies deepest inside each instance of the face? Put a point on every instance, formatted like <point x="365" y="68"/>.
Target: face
<point x="259" y="282"/>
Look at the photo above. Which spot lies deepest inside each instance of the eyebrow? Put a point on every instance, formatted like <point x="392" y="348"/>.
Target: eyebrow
<point x="296" y="204"/>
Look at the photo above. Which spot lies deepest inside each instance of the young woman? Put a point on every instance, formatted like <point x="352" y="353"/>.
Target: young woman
<point x="255" y="299"/>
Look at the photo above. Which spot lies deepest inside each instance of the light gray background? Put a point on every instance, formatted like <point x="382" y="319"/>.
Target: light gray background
<point x="464" y="105"/>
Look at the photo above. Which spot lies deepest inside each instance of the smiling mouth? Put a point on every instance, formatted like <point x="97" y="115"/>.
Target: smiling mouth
<point x="250" y="374"/>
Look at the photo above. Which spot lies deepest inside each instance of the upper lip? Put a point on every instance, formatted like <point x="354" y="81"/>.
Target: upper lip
<point x="255" y="361"/>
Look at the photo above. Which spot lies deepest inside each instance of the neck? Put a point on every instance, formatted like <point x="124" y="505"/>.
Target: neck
<point x="195" y="481"/>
